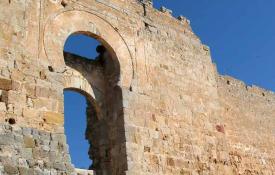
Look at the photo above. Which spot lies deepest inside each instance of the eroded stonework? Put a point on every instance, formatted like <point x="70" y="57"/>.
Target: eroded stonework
<point x="156" y="104"/>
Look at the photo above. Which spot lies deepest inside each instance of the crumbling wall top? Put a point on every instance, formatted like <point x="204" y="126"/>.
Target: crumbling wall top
<point x="241" y="86"/>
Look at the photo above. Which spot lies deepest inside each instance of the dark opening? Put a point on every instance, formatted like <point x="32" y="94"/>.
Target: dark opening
<point x="228" y="82"/>
<point x="50" y="68"/>
<point x="11" y="121"/>
<point x="64" y="3"/>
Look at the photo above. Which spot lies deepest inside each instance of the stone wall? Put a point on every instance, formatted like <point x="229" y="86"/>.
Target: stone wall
<point x="84" y="172"/>
<point x="27" y="151"/>
<point x="156" y="105"/>
<point x="248" y="118"/>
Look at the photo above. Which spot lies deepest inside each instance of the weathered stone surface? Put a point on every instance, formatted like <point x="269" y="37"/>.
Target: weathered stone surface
<point x="29" y="142"/>
<point x="3" y="106"/>
<point x="53" y="118"/>
<point x="6" y="139"/>
<point x="26" y="153"/>
<point x="10" y="169"/>
<point x="5" y="84"/>
<point x="155" y="102"/>
<point x="84" y="172"/>
<point x="25" y="171"/>
<point x="30" y="113"/>
<point x="30" y="155"/>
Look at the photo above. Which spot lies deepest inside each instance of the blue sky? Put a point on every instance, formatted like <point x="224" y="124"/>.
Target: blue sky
<point x="240" y="33"/>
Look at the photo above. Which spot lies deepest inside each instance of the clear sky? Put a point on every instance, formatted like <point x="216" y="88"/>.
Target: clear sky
<point x="240" y="33"/>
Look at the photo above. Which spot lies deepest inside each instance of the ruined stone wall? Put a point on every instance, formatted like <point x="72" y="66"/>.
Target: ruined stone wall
<point x="28" y="151"/>
<point x="158" y="100"/>
<point x="248" y="118"/>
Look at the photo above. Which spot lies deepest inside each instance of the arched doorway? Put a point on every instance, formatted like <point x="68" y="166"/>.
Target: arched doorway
<point x="96" y="78"/>
<point x="75" y="104"/>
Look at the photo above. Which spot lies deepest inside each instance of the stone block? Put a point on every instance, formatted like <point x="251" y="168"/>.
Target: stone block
<point x="1" y="169"/>
<point x="3" y="106"/>
<point x="16" y="85"/>
<point x="26" y="153"/>
<point x="4" y="96"/>
<point x="45" y="136"/>
<point x="17" y="75"/>
<point x="58" y="137"/>
<point x="5" y="84"/>
<point x="182" y="19"/>
<point x="26" y="131"/>
<point x="39" y="153"/>
<point x="15" y="97"/>
<point x="30" y="113"/>
<point x="22" y="162"/>
<point x="29" y="142"/>
<point x="83" y="172"/>
<point x="30" y="90"/>
<point x="25" y="171"/>
<point x="48" y="164"/>
<point x="59" y="166"/>
<point x="42" y="92"/>
<point x="53" y="118"/>
<point x="147" y="2"/>
<point x="30" y="102"/>
<point x="18" y="139"/>
<point x="6" y="139"/>
<point x="166" y="10"/>
<point x="31" y="162"/>
<point x="45" y="104"/>
<point x="10" y="169"/>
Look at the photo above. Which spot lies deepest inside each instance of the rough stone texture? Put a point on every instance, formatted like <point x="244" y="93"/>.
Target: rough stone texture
<point x="156" y="104"/>
<point x="84" y="172"/>
<point x="27" y="151"/>
<point x="248" y="117"/>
